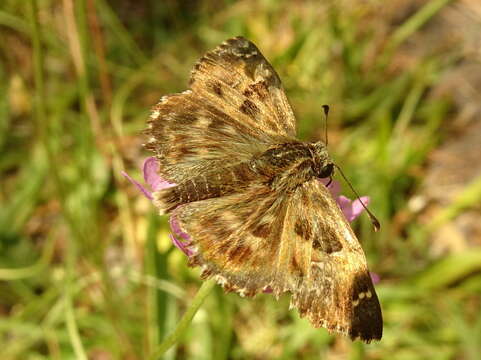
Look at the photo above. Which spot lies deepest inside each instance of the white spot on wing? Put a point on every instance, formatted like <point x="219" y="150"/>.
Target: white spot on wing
<point x="155" y="114"/>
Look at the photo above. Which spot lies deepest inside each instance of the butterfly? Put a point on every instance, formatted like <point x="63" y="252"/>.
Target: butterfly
<point x="247" y="193"/>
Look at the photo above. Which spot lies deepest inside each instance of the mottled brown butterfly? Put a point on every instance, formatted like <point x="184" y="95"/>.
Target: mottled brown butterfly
<point x="248" y="194"/>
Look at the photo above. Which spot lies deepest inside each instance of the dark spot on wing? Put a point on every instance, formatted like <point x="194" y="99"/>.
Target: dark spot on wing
<point x="239" y="252"/>
<point x="260" y="88"/>
<point x="249" y="108"/>
<point x="215" y="112"/>
<point x="216" y="124"/>
<point x="327" y="244"/>
<point x="228" y="287"/>
<point x="261" y="230"/>
<point x="217" y="88"/>
<point x="243" y="173"/>
<point x="186" y="151"/>
<point x="303" y="229"/>
<point x="248" y="93"/>
<point x="186" y="118"/>
<point x="366" y="316"/>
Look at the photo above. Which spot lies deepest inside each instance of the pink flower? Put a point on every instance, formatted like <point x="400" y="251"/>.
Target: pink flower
<point x="180" y="239"/>
<point x="351" y="208"/>
<point x="151" y="177"/>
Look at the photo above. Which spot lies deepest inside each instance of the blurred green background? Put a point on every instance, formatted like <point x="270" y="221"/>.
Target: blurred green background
<point x="86" y="266"/>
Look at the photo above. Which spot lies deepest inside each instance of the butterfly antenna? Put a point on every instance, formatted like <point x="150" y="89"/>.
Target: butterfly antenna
<point x="326" y="113"/>
<point x="374" y="220"/>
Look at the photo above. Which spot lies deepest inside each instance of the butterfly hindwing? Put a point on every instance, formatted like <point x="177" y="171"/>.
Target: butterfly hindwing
<point x="234" y="238"/>
<point x="298" y="243"/>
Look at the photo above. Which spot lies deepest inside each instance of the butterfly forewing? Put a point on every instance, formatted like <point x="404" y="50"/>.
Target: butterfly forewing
<point x="258" y="218"/>
<point x="237" y="77"/>
<point x="236" y="108"/>
<point x="191" y="138"/>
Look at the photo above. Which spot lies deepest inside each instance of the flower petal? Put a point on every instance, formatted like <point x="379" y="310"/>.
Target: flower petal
<point x="375" y="277"/>
<point x="357" y="207"/>
<point x="180" y="239"/>
<point x="175" y="227"/>
<point x="146" y="192"/>
<point x="334" y="186"/>
<point x="152" y="177"/>
<point x="352" y="209"/>
<point x="181" y="245"/>
<point x="345" y="205"/>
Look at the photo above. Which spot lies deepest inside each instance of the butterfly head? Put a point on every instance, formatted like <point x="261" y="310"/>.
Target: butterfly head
<point x="323" y="164"/>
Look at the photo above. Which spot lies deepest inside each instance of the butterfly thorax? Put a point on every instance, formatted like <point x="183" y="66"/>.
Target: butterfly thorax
<point x="287" y="166"/>
<point x="283" y="167"/>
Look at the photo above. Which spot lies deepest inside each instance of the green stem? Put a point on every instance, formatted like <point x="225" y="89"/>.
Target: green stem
<point x="173" y="338"/>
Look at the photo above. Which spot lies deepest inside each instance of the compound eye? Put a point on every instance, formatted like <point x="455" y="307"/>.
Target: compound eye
<point x="326" y="171"/>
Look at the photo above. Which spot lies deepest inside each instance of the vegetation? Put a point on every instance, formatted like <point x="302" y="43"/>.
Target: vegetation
<point x="87" y="269"/>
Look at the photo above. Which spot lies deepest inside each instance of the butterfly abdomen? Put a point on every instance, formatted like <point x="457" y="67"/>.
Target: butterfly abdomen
<point x="213" y="184"/>
<point x="189" y="191"/>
